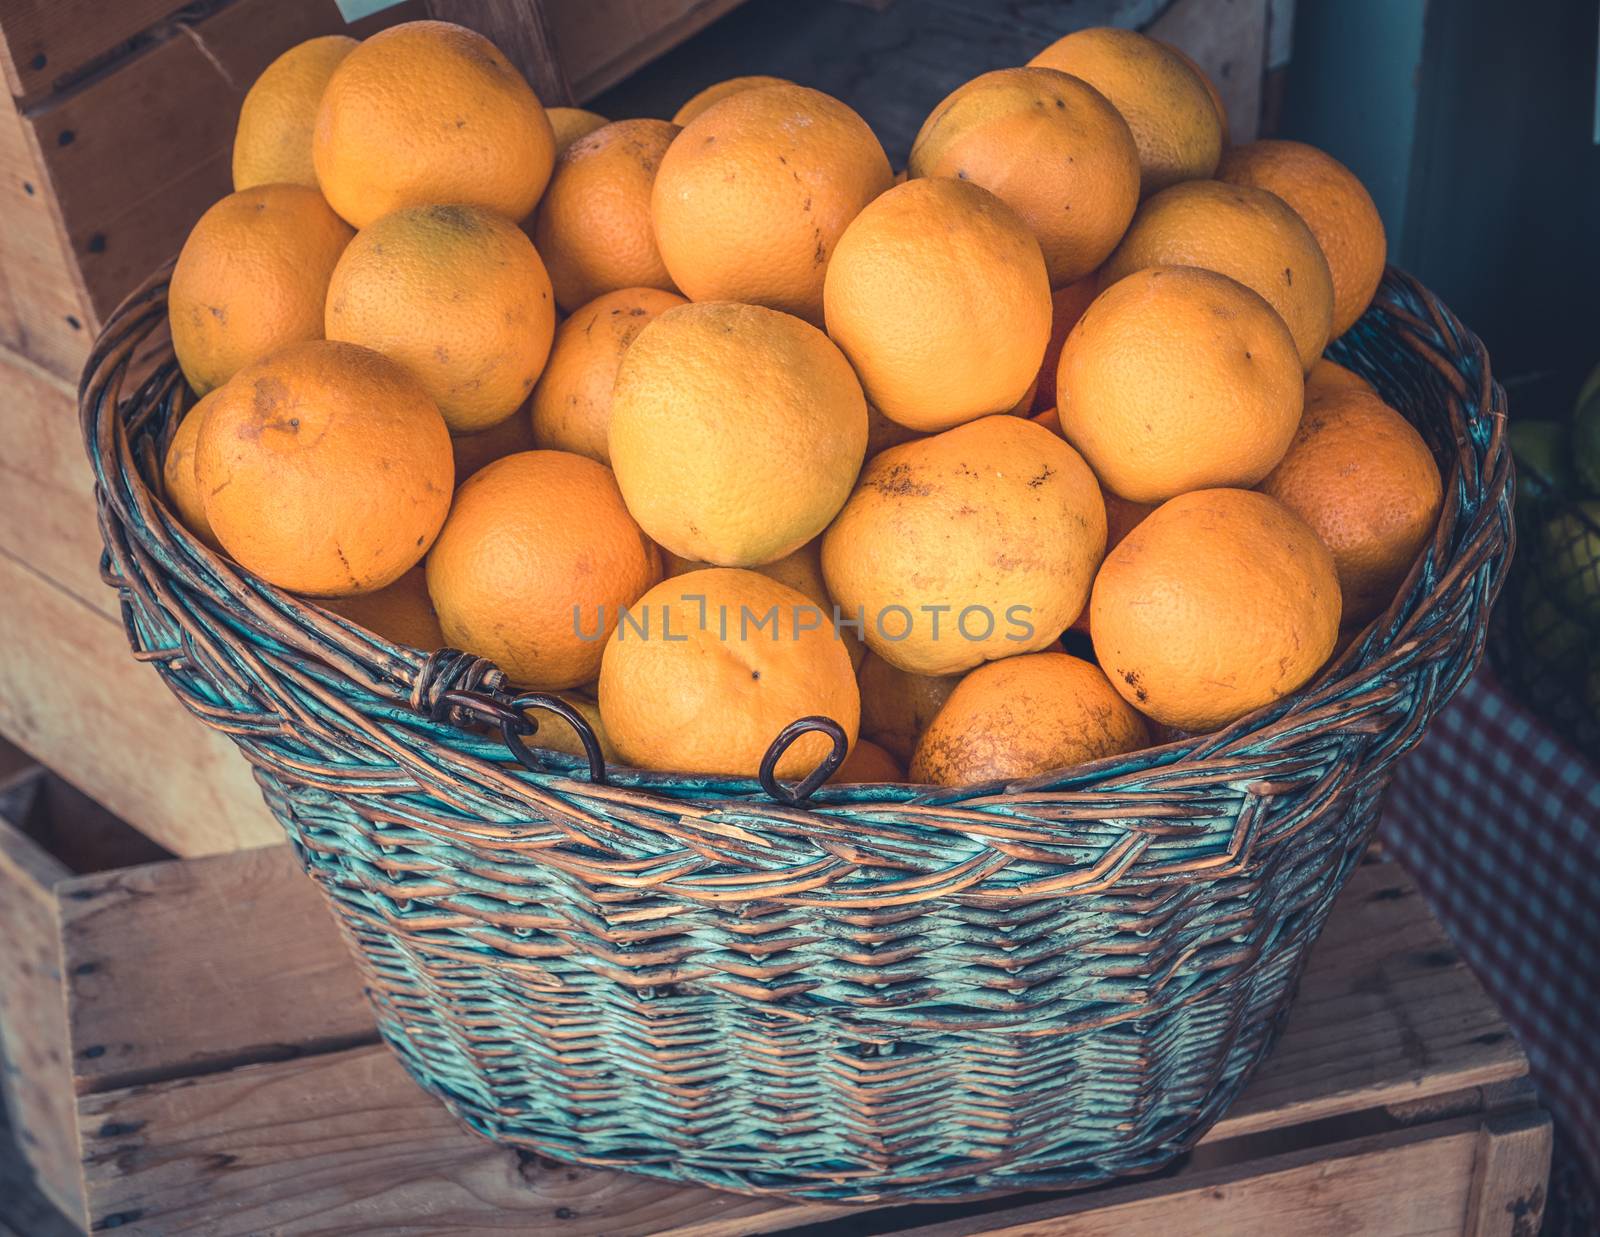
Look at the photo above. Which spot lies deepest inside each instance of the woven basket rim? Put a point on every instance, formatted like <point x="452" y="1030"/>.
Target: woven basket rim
<point x="1477" y="482"/>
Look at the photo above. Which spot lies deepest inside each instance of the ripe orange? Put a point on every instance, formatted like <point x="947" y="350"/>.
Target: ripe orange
<point x="718" y="91"/>
<point x="458" y="296"/>
<point x="736" y="431"/>
<point x="473" y="451"/>
<point x="1179" y="379"/>
<point x="939" y="296"/>
<point x="251" y="278"/>
<point x="593" y="224"/>
<point x="1247" y="234"/>
<point x="1050" y="147"/>
<point x="752" y="197"/>
<point x="535" y="563"/>
<point x="1336" y="207"/>
<point x="1220" y="602"/>
<point x="402" y="612"/>
<point x="1205" y="80"/>
<point x="557" y="734"/>
<point x="1165" y="102"/>
<point x="572" y="403"/>
<point x="325" y="469"/>
<point x="570" y="123"/>
<point x="1025" y="716"/>
<point x="1329" y="375"/>
<point x="867" y="762"/>
<point x="713" y="668"/>
<point x="430" y="113"/>
<point x="1364" y="480"/>
<point x="1122" y="517"/>
<point x="978" y="543"/>
<point x="1066" y="307"/>
<point x="896" y="705"/>
<point x="272" y="145"/>
<point x="177" y="473"/>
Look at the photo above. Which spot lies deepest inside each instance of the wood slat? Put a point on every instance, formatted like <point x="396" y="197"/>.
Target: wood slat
<point x="46" y="42"/>
<point x="1508" y="1188"/>
<point x="602" y="41"/>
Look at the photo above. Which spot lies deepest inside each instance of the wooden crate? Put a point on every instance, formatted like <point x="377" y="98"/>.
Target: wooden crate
<point x="197" y="1056"/>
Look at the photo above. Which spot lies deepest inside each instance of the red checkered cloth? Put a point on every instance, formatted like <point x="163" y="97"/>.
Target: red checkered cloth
<point x="1498" y="820"/>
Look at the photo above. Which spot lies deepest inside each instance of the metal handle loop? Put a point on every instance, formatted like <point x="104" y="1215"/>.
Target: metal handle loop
<point x="518" y="727"/>
<point x="807" y="785"/>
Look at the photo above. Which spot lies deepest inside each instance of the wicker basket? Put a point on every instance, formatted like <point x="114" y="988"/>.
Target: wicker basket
<point x="874" y="992"/>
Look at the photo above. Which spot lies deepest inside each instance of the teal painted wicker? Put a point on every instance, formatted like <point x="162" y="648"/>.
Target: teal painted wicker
<point x="881" y="993"/>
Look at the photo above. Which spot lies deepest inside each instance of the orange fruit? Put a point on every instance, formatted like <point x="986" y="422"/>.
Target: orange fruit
<point x="752" y="197"/>
<point x="252" y="277"/>
<point x="1025" y="716"/>
<point x="177" y="473"/>
<point x="1220" y="602"/>
<point x="1050" y="147"/>
<point x="1247" y="234"/>
<point x="1178" y="378"/>
<point x="939" y="296"/>
<point x="978" y="543"/>
<point x="1205" y="80"/>
<point x="722" y="668"/>
<point x="572" y="403"/>
<point x="718" y="91"/>
<point x="458" y="296"/>
<point x="325" y="468"/>
<point x="1366" y="483"/>
<point x="1122" y="517"/>
<point x="473" y="451"/>
<point x="867" y="762"/>
<point x="1329" y="375"/>
<point x="430" y="113"/>
<point x="570" y="123"/>
<point x="736" y="431"/>
<point x="402" y="612"/>
<point x="534" y="565"/>
<point x="1165" y="102"/>
<point x="1066" y="307"/>
<point x="272" y="144"/>
<point x="557" y="734"/>
<point x="593" y="224"/>
<point x="897" y="705"/>
<point x="1335" y="206"/>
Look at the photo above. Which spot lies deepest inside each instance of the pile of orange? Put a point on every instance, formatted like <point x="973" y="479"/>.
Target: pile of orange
<point x="716" y="422"/>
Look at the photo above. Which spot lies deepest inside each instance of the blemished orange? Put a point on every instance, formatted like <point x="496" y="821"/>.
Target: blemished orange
<point x="1176" y="379"/>
<point x="272" y="144"/>
<point x="735" y="669"/>
<point x="252" y="277"/>
<point x="177" y="473"/>
<point x="557" y="734"/>
<point x="428" y="113"/>
<point x="1049" y="146"/>
<point x="975" y="544"/>
<point x="570" y="123"/>
<point x="535" y="564"/>
<point x="1364" y="480"/>
<point x="897" y="705"/>
<point x="718" y="91"/>
<point x="1211" y="87"/>
<point x="593" y="224"/>
<point x="867" y="762"/>
<point x="473" y="451"/>
<point x="1329" y="375"/>
<point x="1166" y="104"/>
<point x="752" y="197"/>
<point x="1023" y="717"/>
<point x="325" y="469"/>
<point x="1335" y="206"/>
<point x="572" y="403"/>
<point x="736" y="432"/>
<point x="939" y="296"/>
<point x="456" y="294"/>
<point x="1245" y="233"/>
<point x="1220" y="602"/>
<point x="1066" y="307"/>
<point x="402" y="612"/>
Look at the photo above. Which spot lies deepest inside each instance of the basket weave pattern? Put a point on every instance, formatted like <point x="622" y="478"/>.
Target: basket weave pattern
<point x="878" y="993"/>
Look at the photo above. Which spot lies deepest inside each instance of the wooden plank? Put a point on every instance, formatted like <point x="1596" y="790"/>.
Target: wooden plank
<point x="1513" y="1167"/>
<point x="51" y="41"/>
<point x="25" y="1211"/>
<point x="33" y="1012"/>
<point x="72" y="695"/>
<point x="603" y="41"/>
<point x="239" y="960"/>
<point x="1228" y="39"/>
<point x="521" y="30"/>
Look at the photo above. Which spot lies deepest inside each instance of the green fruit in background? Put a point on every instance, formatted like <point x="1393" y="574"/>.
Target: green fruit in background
<point x="1544" y="458"/>
<point x="1569" y="562"/>
<point x="1586" y="434"/>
